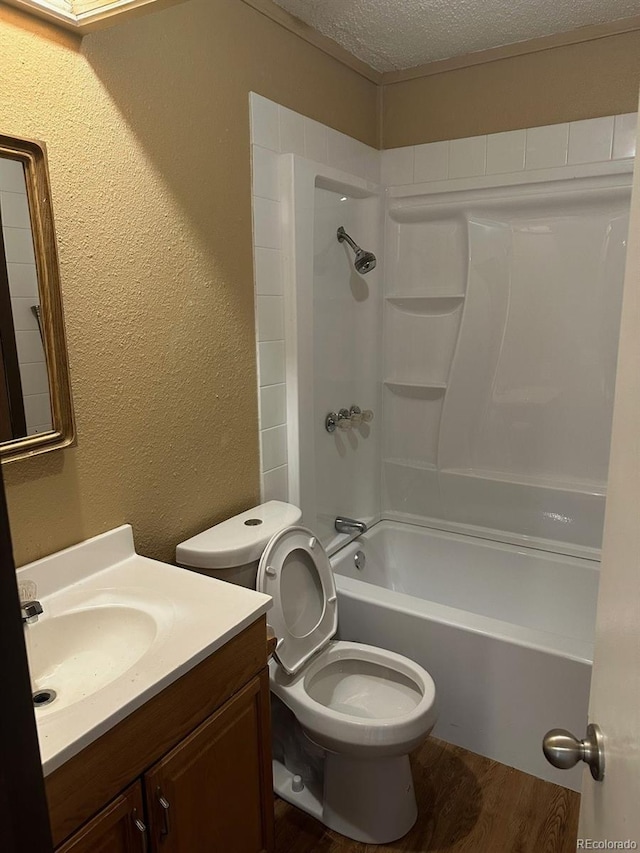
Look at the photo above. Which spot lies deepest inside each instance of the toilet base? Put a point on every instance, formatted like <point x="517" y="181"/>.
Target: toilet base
<point x="369" y="801"/>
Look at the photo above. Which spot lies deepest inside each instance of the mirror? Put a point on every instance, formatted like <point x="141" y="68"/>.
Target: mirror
<point x="36" y="413"/>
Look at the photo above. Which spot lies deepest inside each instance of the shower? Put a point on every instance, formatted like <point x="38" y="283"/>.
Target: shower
<point x="364" y="261"/>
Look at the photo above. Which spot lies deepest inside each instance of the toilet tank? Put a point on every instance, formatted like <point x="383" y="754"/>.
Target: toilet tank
<point x="232" y="549"/>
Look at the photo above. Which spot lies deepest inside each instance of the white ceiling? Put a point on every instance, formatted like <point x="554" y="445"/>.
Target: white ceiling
<point x="396" y="34"/>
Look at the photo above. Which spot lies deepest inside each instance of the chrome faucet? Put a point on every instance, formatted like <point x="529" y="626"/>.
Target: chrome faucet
<point x="349" y="525"/>
<point x="30" y="611"/>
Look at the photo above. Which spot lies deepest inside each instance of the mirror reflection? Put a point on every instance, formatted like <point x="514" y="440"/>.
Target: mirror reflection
<point x="36" y="413"/>
<point x="25" y="403"/>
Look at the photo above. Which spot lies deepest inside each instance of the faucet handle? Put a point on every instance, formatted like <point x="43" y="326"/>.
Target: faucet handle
<point x="344" y="419"/>
<point x="30" y="610"/>
<point x="356" y="415"/>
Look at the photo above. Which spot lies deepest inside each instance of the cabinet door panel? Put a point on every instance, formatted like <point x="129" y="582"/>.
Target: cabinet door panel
<point x="216" y="785"/>
<point x="114" y="829"/>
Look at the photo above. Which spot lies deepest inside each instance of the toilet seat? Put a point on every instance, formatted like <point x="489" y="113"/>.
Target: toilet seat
<point x="295" y="571"/>
<point x="383" y="731"/>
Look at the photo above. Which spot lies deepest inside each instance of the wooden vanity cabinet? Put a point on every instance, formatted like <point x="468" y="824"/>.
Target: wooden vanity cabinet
<point x="201" y="780"/>
<point x="119" y="828"/>
<point x="205" y="794"/>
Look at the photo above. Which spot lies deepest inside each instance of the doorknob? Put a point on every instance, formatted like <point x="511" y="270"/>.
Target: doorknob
<point x="563" y="750"/>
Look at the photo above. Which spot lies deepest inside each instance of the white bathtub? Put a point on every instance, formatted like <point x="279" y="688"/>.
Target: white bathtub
<point x="505" y="631"/>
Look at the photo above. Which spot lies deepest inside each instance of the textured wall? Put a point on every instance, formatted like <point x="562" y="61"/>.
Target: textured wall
<point x="148" y="137"/>
<point x="568" y="83"/>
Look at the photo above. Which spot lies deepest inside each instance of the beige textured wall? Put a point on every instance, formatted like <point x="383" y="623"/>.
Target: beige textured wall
<point x="148" y="139"/>
<point x="568" y="83"/>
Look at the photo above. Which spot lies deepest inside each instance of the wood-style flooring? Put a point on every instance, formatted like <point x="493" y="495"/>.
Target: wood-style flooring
<point x="466" y="803"/>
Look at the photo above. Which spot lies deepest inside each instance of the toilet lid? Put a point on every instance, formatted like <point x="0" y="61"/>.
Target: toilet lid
<point x="295" y="571"/>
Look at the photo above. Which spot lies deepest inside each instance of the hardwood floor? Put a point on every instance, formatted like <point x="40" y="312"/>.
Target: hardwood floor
<point x="467" y="804"/>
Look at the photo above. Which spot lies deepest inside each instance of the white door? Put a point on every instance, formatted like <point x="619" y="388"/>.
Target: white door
<point x="610" y="810"/>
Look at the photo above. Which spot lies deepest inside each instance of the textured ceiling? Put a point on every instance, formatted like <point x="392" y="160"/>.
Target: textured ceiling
<point x="394" y="34"/>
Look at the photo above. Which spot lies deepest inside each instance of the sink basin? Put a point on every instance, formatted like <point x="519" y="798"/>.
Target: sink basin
<point x="79" y="653"/>
<point x="116" y="629"/>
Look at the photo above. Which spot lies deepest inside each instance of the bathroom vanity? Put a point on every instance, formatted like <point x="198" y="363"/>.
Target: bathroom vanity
<point x="189" y="770"/>
<point x="151" y="696"/>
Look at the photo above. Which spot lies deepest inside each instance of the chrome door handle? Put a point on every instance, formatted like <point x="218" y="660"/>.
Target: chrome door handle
<point x="164" y="805"/>
<point x="142" y="829"/>
<point x="564" y="750"/>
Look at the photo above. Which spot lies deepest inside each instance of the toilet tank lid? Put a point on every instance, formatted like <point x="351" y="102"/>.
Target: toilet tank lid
<point x="240" y="539"/>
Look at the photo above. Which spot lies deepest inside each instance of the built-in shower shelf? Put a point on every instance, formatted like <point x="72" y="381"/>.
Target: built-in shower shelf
<point x="417" y="389"/>
<point x="437" y="303"/>
<point x="411" y="463"/>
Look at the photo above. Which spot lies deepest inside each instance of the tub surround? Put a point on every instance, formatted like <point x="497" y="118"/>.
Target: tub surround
<point x="431" y="298"/>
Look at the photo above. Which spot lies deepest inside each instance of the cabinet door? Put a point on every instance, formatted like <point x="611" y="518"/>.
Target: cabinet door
<point x="118" y="828"/>
<point x="213" y="793"/>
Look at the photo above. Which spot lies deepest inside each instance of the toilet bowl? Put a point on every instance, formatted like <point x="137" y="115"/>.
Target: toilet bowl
<point x="349" y="713"/>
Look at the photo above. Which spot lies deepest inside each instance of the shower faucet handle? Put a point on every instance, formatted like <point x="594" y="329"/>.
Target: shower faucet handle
<point x="344" y="419"/>
<point x="355" y="413"/>
<point x="360" y="417"/>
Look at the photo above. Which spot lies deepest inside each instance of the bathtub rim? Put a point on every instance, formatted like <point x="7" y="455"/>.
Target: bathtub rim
<point x="544" y="641"/>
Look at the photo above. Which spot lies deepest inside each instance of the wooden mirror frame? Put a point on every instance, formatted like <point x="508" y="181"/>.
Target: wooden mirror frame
<point x="33" y="156"/>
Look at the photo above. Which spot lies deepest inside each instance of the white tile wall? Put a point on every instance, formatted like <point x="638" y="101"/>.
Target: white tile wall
<point x="624" y="136"/>
<point x="547" y="146"/>
<point x="273" y="406"/>
<point x="277" y="130"/>
<point x="590" y="141"/>
<point x="268" y="272"/>
<point x="271" y="363"/>
<point x="270" y="318"/>
<point x="431" y="162"/>
<point x="23" y="288"/>
<point x="467" y="157"/>
<point x="398" y="166"/>
<point x="573" y="143"/>
<point x="505" y="152"/>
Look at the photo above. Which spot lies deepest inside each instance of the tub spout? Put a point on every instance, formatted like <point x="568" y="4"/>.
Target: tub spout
<point x="349" y="525"/>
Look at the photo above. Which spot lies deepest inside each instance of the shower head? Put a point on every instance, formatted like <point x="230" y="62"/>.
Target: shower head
<point x="364" y="262"/>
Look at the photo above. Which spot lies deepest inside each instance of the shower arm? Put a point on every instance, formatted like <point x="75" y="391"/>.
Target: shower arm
<point x="342" y="235"/>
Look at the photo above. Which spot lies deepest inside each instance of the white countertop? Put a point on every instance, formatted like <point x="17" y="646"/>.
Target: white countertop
<point x="180" y="618"/>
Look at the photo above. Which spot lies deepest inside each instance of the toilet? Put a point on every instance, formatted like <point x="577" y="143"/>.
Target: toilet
<point x="345" y="715"/>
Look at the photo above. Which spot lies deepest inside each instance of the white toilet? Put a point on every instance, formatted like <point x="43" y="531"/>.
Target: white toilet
<point x="345" y="715"/>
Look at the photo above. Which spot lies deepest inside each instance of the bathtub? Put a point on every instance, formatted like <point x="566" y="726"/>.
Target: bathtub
<point x="506" y="632"/>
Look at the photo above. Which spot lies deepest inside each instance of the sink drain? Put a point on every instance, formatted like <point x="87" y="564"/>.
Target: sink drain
<point x="43" y="697"/>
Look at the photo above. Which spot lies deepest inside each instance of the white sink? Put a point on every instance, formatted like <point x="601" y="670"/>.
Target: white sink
<point x="81" y="652"/>
<point x="117" y="628"/>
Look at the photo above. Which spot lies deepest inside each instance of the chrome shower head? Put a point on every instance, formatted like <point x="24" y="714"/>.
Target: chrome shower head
<point x="364" y="262"/>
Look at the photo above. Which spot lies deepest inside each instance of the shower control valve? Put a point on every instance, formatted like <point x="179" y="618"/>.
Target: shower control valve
<point x="346" y="419"/>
